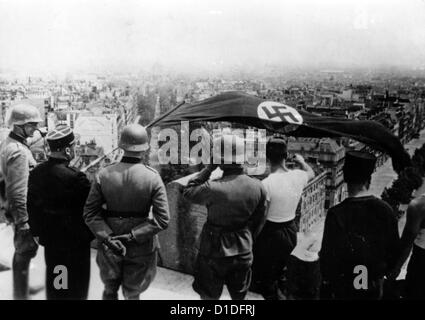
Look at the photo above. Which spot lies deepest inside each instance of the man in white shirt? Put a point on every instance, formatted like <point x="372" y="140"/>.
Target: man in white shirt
<point x="279" y="236"/>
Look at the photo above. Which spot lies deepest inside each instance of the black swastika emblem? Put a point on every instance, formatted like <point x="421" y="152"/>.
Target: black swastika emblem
<point x="282" y="112"/>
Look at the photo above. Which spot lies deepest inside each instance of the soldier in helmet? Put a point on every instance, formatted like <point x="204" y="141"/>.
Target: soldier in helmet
<point x="56" y="197"/>
<point x="117" y="211"/>
<point x="16" y="161"/>
<point x="236" y="207"/>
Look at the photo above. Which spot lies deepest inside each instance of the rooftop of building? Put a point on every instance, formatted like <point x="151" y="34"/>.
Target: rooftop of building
<point x="327" y="145"/>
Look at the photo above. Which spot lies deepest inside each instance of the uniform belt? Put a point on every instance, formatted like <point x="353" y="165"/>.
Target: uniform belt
<point x="281" y="224"/>
<point x="124" y="214"/>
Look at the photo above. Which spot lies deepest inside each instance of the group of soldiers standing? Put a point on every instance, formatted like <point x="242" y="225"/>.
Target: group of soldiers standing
<point x="245" y="243"/>
<point x="56" y="206"/>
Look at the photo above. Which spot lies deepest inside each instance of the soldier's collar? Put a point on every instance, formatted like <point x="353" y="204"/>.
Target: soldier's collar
<point x="19" y="138"/>
<point x="130" y="160"/>
<point x="232" y="171"/>
<point x="58" y="160"/>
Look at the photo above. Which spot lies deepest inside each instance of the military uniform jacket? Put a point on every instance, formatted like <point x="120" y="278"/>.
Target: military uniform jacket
<point x="56" y="197"/>
<point x="236" y="207"/>
<point x="131" y="188"/>
<point x="16" y="161"/>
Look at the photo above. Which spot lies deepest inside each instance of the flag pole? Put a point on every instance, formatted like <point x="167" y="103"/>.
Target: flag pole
<point x="164" y="115"/>
<point x="96" y="161"/>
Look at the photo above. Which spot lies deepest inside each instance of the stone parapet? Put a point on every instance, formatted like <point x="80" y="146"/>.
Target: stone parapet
<point x="180" y="242"/>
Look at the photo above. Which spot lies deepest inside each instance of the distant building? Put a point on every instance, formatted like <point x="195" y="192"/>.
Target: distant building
<point x="87" y="153"/>
<point x="328" y="154"/>
<point x="68" y="117"/>
<point x="154" y="135"/>
<point x="102" y="128"/>
<point x="312" y="207"/>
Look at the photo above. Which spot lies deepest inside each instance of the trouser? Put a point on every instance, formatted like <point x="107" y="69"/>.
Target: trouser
<point x="343" y="289"/>
<point x="415" y="277"/>
<point x="134" y="272"/>
<point x="303" y="279"/>
<point x="25" y="250"/>
<point x="272" y="249"/>
<point x="211" y="274"/>
<point x="67" y="272"/>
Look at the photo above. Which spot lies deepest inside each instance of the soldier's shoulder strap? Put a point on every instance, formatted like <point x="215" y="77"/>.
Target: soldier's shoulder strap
<point x="16" y="146"/>
<point x="152" y="169"/>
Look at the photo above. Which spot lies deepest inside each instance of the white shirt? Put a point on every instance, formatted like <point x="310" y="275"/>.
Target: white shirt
<point x="284" y="190"/>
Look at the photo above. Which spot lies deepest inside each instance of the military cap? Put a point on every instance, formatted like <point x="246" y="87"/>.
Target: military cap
<point x="358" y="166"/>
<point x="61" y="137"/>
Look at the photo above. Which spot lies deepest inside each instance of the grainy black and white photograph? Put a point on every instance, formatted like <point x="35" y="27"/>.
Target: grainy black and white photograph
<point x="212" y="150"/>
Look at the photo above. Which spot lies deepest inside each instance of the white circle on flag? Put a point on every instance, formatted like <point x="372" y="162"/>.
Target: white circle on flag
<point x="278" y="112"/>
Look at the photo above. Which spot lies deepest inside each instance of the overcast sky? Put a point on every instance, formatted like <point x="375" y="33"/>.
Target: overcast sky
<point x="62" y="35"/>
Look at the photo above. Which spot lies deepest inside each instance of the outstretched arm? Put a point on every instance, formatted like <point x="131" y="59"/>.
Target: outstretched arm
<point x="304" y="166"/>
<point x="197" y="189"/>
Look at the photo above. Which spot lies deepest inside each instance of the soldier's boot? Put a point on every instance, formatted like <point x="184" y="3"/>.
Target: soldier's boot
<point x="134" y="297"/>
<point x="20" y="265"/>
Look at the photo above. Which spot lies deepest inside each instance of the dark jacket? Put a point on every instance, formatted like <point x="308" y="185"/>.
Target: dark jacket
<point x="358" y="231"/>
<point x="56" y="197"/>
<point x="236" y="207"/>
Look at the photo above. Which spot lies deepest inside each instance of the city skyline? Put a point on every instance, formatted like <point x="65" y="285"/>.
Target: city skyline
<point x="209" y="36"/>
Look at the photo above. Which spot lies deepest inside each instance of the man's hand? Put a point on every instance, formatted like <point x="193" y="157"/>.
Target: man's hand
<point x="212" y="166"/>
<point x="393" y="274"/>
<point x="298" y="158"/>
<point x="128" y="237"/>
<point x="116" y="246"/>
<point x="23" y="226"/>
<point x="304" y="166"/>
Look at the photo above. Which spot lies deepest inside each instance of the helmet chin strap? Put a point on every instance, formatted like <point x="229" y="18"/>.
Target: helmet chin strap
<point x="22" y="132"/>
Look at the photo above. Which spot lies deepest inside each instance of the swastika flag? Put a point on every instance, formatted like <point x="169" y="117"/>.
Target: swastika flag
<point x="250" y="110"/>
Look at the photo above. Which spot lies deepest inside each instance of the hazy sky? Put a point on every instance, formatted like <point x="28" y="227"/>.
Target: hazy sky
<point x="61" y="35"/>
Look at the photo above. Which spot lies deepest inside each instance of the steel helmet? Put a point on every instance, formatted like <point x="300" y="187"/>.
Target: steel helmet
<point x="24" y="113"/>
<point x="134" y="138"/>
<point x="232" y="149"/>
